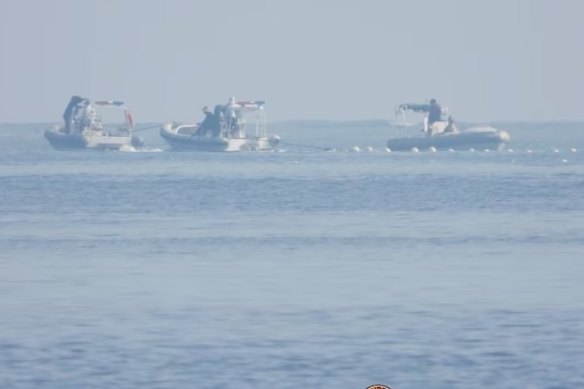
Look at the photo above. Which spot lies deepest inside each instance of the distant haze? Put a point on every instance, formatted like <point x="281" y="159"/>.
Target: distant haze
<point x="309" y="59"/>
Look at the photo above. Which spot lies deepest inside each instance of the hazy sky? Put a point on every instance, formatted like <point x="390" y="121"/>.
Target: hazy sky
<point x="311" y="59"/>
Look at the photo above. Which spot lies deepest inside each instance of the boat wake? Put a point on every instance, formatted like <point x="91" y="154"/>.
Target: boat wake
<point x="132" y="149"/>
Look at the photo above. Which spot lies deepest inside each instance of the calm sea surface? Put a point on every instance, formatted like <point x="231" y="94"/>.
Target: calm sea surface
<point x="293" y="269"/>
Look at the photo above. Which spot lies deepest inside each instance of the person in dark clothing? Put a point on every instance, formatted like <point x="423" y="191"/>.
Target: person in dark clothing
<point x="434" y="112"/>
<point x="451" y="127"/>
<point x="433" y="109"/>
<point x="212" y="122"/>
<point x="69" y="112"/>
<point x="218" y="120"/>
<point x="207" y="123"/>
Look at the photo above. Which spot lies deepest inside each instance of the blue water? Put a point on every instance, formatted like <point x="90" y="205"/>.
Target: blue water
<point x="293" y="269"/>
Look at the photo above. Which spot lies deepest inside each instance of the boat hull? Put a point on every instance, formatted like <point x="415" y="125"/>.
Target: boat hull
<point x="479" y="139"/>
<point x="193" y="142"/>
<point x="62" y="141"/>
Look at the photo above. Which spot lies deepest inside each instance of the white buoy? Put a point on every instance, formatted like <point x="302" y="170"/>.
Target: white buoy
<point x="451" y="150"/>
<point x="510" y="150"/>
<point x="556" y="151"/>
<point x="564" y="160"/>
<point x="369" y="148"/>
<point x="415" y="150"/>
<point x="432" y="149"/>
<point x="471" y="150"/>
<point x="355" y="149"/>
<point x="529" y="151"/>
<point x="387" y="150"/>
<point x="573" y="150"/>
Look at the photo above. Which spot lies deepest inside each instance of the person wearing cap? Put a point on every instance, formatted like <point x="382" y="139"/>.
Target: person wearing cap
<point x="206" y="124"/>
<point x="433" y="109"/>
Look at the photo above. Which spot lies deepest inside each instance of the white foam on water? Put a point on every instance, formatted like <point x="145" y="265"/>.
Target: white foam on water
<point x="127" y="149"/>
<point x="132" y="149"/>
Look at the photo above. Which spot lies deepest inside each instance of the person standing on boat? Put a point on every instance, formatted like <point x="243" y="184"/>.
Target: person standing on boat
<point x="69" y="112"/>
<point x="89" y="114"/>
<point x="433" y="109"/>
<point x="78" y="121"/>
<point x="434" y="112"/>
<point x="212" y="122"/>
<point x="231" y="117"/>
<point x="218" y="123"/>
<point x="206" y="124"/>
<point x="83" y="115"/>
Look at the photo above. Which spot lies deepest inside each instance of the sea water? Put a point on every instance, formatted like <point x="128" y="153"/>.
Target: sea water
<point x="293" y="269"/>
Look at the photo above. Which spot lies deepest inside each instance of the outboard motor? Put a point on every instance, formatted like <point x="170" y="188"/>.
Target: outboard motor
<point x="137" y="142"/>
<point x="274" y="140"/>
